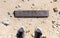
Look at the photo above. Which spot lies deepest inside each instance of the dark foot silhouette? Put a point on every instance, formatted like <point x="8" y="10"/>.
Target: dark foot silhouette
<point x="38" y="33"/>
<point x="20" y="33"/>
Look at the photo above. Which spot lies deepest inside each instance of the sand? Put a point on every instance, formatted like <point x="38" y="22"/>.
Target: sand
<point x="48" y="29"/>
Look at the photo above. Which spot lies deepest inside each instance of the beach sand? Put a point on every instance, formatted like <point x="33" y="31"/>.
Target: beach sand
<point x="49" y="26"/>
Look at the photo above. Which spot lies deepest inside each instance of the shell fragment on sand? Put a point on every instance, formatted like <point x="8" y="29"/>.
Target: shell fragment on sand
<point x="6" y="22"/>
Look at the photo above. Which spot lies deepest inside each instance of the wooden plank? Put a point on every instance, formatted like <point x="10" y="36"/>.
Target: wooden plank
<point x="31" y="13"/>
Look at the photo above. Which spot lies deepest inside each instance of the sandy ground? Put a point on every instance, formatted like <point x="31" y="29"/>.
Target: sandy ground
<point x="48" y="29"/>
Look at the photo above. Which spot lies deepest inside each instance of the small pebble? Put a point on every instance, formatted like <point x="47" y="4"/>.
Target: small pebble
<point x="59" y="12"/>
<point x="33" y="4"/>
<point x="16" y="7"/>
<point x="55" y="0"/>
<point x="53" y="22"/>
<point x="10" y="16"/>
<point x="8" y="13"/>
<point x="55" y="9"/>
<point x="23" y="0"/>
<point x="29" y="24"/>
<point x="6" y="22"/>
<point x="44" y="37"/>
<point x="27" y="31"/>
<point x="53" y="26"/>
<point x="28" y="0"/>
<point x="31" y="7"/>
<point x="32" y="35"/>
<point x="19" y="6"/>
<point x="58" y="24"/>
<point x="4" y="1"/>
<point x="50" y="1"/>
